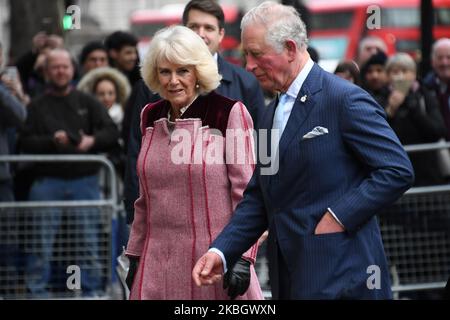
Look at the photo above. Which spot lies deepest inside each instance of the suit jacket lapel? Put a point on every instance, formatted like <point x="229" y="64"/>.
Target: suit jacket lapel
<point x="264" y="133"/>
<point x="301" y="109"/>
<point x="224" y="70"/>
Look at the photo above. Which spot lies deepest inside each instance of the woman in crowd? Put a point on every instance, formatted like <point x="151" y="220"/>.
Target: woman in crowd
<point x="414" y="115"/>
<point x="110" y="87"/>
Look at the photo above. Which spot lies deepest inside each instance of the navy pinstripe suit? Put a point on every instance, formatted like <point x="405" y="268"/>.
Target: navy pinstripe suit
<point x="355" y="169"/>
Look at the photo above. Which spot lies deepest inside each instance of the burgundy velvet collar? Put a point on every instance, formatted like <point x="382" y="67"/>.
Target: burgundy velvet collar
<point x="213" y="109"/>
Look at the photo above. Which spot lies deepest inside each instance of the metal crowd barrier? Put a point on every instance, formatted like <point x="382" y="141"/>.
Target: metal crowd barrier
<point x="416" y="234"/>
<point x="416" y="237"/>
<point x="79" y="265"/>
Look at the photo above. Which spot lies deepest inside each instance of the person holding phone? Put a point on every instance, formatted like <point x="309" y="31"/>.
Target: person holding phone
<point x="10" y="78"/>
<point x="413" y="113"/>
<point x="12" y="115"/>
<point x="374" y="79"/>
<point x="31" y="64"/>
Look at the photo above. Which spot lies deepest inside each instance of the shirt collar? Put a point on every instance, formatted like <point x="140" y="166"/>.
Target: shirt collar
<point x="295" y="86"/>
<point x="183" y="109"/>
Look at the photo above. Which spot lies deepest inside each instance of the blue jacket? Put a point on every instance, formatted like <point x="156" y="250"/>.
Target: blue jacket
<point x="12" y="115"/>
<point x="355" y="168"/>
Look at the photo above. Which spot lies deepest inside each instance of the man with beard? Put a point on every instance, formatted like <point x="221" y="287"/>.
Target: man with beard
<point x="65" y="121"/>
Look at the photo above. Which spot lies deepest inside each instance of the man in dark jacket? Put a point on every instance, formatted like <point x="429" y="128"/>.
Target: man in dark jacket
<point x="439" y="79"/>
<point x="65" y="121"/>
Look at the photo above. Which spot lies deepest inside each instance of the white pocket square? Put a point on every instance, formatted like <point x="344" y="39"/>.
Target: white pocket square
<point x="317" y="131"/>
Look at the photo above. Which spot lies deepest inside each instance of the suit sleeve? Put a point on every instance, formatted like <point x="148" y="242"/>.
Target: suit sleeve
<point x="12" y="112"/>
<point x="389" y="171"/>
<point x="249" y="220"/>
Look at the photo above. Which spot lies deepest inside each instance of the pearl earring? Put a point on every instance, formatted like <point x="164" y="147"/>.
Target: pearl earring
<point x="197" y="86"/>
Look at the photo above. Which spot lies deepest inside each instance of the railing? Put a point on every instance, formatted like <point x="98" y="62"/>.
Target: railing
<point x="416" y="236"/>
<point x="58" y="249"/>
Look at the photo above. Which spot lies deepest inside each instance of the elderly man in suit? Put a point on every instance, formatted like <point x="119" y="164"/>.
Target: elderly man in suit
<point x="339" y="164"/>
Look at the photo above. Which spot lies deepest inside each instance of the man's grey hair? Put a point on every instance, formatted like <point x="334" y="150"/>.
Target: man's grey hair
<point x="401" y="60"/>
<point x="439" y="43"/>
<point x="281" y="22"/>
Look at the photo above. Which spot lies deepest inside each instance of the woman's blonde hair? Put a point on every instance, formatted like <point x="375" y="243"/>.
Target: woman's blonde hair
<point x="182" y="46"/>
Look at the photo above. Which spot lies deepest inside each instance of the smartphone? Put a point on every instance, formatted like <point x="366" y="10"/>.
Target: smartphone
<point x="46" y="25"/>
<point x="12" y="73"/>
<point x="402" y="85"/>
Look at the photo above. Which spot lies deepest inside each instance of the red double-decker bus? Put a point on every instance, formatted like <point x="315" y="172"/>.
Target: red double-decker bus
<point x="337" y="27"/>
<point x="144" y="24"/>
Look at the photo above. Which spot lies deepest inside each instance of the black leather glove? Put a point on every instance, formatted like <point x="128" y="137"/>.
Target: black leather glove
<point x="237" y="279"/>
<point x="134" y="262"/>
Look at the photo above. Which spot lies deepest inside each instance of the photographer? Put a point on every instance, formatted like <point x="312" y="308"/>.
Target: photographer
<point x="413" y="113"/>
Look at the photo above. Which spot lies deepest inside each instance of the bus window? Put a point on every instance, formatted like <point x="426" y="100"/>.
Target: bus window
<point x="400" y="18"/>
<point x="347" y="19"/>
<point x="144" y="24"/>
<point x="331" y="20"/>
<point x="442" y="17"/>
<point x="146" y="30"/>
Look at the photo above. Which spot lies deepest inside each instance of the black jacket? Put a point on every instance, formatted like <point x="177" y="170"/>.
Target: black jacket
<point x="74" y="113"/>
<point x="418" y="120"/>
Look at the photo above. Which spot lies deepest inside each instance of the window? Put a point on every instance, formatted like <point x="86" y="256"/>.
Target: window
<point x="407" y="45"/>
<point x="331" y="20"/>
<point x="146" y="29"/>
<point x="442" y="17"/>
<point x="330" y="47"/>
<point x="400" y="17"/>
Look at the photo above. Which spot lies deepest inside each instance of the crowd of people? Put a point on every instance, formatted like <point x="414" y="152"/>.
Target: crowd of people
<point x="416" y="106"/>
<point x="106" y="102"/>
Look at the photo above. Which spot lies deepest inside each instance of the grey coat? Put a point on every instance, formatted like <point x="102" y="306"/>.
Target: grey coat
<point x="12" y="115"/>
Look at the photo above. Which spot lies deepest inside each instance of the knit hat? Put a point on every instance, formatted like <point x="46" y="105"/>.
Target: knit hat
<point x="378" y="58"/>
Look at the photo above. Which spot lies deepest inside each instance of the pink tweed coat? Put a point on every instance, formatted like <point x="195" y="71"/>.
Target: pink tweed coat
<point x="188" y="191"/>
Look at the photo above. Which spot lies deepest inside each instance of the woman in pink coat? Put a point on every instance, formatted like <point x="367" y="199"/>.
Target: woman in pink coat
<point x="195" y="162"/>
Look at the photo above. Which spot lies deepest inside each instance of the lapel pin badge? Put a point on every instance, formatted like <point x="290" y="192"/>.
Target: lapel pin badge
<point x="303" y="99"/>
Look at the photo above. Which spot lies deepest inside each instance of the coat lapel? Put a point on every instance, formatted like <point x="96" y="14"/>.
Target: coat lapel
<point x="264" y="133"/>
<point x="302" y="107"/>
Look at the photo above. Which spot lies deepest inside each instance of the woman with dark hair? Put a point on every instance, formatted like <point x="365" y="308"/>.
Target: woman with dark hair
<point x="348" y="70"/>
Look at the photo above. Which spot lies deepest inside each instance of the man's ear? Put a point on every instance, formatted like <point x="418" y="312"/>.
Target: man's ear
<point x="291" y="48"/>
<point x="221" y="34"/>
<point x="113" y="53"/>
